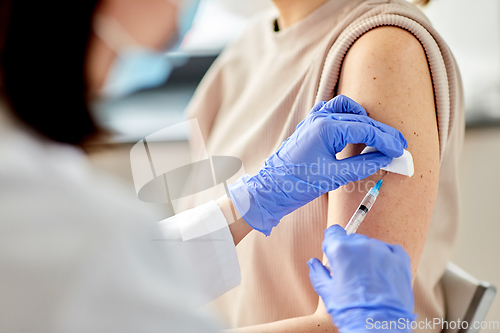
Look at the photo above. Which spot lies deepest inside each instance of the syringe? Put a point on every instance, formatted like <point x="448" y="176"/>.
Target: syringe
<point x="363" y="208"/>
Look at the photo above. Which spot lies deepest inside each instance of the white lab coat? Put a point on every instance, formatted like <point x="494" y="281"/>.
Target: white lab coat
<point x="77" y="255"/>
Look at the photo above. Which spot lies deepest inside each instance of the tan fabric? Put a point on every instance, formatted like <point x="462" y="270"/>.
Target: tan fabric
<point x="256" y="93"/>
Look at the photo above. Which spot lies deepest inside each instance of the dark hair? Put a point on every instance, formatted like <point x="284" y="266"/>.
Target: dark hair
<point x="42" y="65"/>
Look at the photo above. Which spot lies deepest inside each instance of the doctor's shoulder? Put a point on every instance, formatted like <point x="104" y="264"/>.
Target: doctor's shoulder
<point x="49" y="183"/>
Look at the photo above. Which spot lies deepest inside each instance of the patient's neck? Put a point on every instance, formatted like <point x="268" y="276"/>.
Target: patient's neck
<point x="292" y="11"/>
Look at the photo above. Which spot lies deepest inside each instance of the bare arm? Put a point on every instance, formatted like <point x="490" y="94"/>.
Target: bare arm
<point x="239" y="228"/>
<point x="386" y="71"/>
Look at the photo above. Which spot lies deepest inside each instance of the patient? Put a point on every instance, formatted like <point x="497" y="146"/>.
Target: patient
<point x="385" y="55"/>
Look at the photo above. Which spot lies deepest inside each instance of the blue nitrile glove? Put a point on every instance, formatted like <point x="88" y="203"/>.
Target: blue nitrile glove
<point x="370" y="282"/>
<point x="305" y="166"/>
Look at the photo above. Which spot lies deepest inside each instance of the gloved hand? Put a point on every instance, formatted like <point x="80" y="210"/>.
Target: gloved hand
<point x="305" y="166"/>
<point x="370" y="282"/>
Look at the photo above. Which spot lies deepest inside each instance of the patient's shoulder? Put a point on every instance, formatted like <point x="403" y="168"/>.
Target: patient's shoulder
<point x="392" y="49"/>
<point x="390" y="65"/>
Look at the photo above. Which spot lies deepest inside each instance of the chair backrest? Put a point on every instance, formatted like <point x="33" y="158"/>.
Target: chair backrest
<point x="467" y="300"/>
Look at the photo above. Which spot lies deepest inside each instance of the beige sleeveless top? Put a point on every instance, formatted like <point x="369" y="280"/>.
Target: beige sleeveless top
<point x="252" y="99"/>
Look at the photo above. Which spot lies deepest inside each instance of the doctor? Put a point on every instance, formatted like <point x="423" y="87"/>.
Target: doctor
<point x="77" y="255"/>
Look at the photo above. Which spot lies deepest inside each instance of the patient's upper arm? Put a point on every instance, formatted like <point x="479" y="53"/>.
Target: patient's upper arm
<point x="386" y="71"/>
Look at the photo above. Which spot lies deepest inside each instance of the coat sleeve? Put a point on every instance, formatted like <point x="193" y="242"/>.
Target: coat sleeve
<point x="203" y="237"/>
<point x="138" y="279"/>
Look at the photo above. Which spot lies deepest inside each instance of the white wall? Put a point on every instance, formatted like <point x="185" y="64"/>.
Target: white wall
<point x="472" y="30"/>
<point x="478" y="248"/>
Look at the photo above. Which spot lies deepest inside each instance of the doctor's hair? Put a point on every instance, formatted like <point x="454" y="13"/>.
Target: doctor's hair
<point x="42" y="66"/>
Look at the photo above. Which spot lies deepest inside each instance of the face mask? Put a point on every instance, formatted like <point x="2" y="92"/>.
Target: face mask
<point x="137" y="67"/>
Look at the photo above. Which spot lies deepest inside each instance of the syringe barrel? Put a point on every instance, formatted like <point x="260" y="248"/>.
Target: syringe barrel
<point x="355" y="221"/>
<point x="361" y="212"/>
<point x="369" y="199"/>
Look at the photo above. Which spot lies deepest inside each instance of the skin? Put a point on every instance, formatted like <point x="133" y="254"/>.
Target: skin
<point x="386" y="71"/>
<point x="151" y="23"/>
<point x="239" y="228"/>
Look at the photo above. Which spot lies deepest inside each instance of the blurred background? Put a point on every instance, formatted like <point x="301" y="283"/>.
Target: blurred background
<point x="472" y="30"/>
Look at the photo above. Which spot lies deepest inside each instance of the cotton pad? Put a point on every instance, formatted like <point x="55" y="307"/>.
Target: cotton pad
<point x="402" y="165"/>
